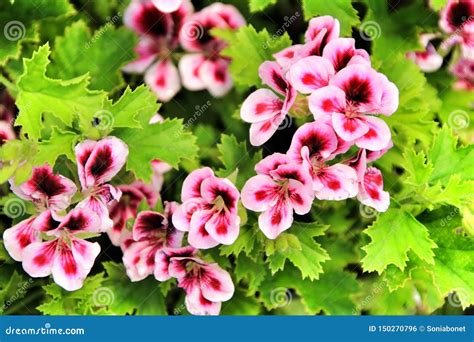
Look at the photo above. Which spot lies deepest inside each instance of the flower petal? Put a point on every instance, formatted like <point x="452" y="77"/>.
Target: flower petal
<point x="261" y="132"/>
<point x="80" y="220"/>
<point x="167" y="6"/>
<point x="163" y="78"/>
<point x="96" y="208"/>
<point x="260" y="193"/>
<point x="300" y="196"/>
<point x="189" y="69"/>
<point x="285" y="56"/>
<point x="163" y="258"/>
<point x="216" y="76"/>
<point x="371" y="190"/>
<point x="192" y="184"/>
<point x="214" y="188"/>
<point x="197" y="304"/>
<point x="348" y="128"/>
<point x="198" y="236"/>
<point x="261" y="105"/>
<point x="147" y="224"/>
<point x="337" y="182"/>
<point x="341" y="52"/>
<point x="139" y="259"/>
<point x="216" y="284"/>
<point x="38" y="258"/>
<point x="311" y="73"/>
<point x="271" y="74"/>
<point x="224" y="227"/>
<point x="377" y="137"/>
<point x="325" y="101"/>
<point x="317" y="24"/>
<point x="277" y="219"/>
<point x="18" y="237"/>
<point x="271" y="162"/>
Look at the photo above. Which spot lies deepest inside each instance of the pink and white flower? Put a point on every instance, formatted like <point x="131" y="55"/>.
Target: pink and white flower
<point x="204" y="67"/>
<point x="66" y="256"/>
<point x="313" y="145"/>
<point x="151" y="232"/>
<point x="159" y="36"/>
<point x="98" y="162"/>
<point x="6" y="132"/>
<point x="456" y="18"/>
<point x="264" y="109"/>
<point x="206" y="285"/>
<point x="464" y="71"/>
<point x="280" y="188"/>
<point x="370" y="184"/>
<point x="354" y="92"/>
<point x="209" y="210"/>
<point x="428" y="60"/>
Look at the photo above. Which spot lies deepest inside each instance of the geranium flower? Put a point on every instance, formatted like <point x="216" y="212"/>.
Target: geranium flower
<point x="66" y="256"/>
<point x="205" y="68"/>
<point x="264" y="109"/>
<point x="120" y="212"/>
<point x="98" y="162"/>
<point x="159" y="36"/>
<point x="456" y="18"/>
<point x="280" y="188"/>
<point x="151" y="232"/>
<point x="370" y="184"/>
<point x="464" y="71"/>
<point x="6" y="132"/>
<point x="354" y="92"/>
<point x="209" y="210"/>
<point x="206" y="285"/>
<point x="50" y="193"/>
<point x="428" y="60"/>
<point x="313" y="145"/>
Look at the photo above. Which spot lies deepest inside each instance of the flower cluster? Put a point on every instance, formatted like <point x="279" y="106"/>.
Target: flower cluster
<point x="329" y="77"/>
<point x="7" y="114"/>
<point x="457" y="30"/>
<point x="164" y="25"/>
<point x="54" y="241"/>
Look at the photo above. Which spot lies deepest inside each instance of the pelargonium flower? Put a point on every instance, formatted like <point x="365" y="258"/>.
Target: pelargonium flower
<point x="120" y="212"/>
<point x="167" y="6"/>
<point x="464" y="71"/>
<point x="354" y="92"/>
<point x="206" y="285"/>
<point x="6" y="132"/>
<point x="280" y="187"/>
<point x="209" y="210"/>
<point x="204" y="67"/>
<point x="66" y="256"/>
<point x="428" y="60"/>
<point x="370" y="184"/>
<point x="313" y="145"/>
<point x="456" y="19"/>
<point x="159" y="36"/>
<point x="98" y="162"/>
<point x="264" y="109"/>
<point x="151" y="232"/>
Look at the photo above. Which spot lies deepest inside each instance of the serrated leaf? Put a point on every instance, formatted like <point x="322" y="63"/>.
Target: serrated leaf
<point x="166" y="141"/>
<point x="244" y="243"/>
<point x="248" y="50"/>
<point x="340" y="9"/>
<point x="417" y="167"/>
<point x="59" y="143"/>
<point x="260" y="5"/>
<point x="64" y="99"/>
<point x="251" y="272"/>
<point x="241" y="305"/>
<point x="393" y="234"/>
<point x="100" y="54"/>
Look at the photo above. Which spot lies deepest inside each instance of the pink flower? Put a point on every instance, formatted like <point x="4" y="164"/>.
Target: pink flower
<point x="6" y="132"/>
<point x="50" y="193"/>
<point x="457" y="19"/>
<point x="120" y="212"/>
<point x="206" y="285"/>
<point x="428" y="60"/>
<point x="205" y="68"/>
<point x="464" y="71"/>
<point x="209" y="210"/>
<point x="264" y="109"/>
<point x="98" y="162"/>
<point x="354" y="92"/>
<point x="370" y="184"/>
<point x="313" y="145"/>
<point x="159" y="36"/>
<point x="151" y="232"/>
<point x="66" y="256"/>
<point x="167" y="6"/>
<point x="280" y="188"/>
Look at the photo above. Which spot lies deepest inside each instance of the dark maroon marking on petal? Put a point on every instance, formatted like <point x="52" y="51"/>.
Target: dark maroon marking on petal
<point x="315" y="143"/>
<point x="227" y="197"/>
<point x="276" y="218"/>
<point x="24" y="239"/>
<point x="357" y="90"/>
<point x="151" y="21"/>
<point x="297" y="198"/>
<point x="102" y="161"/>
<point x="202" y="230"/>
<point x="3" y="138"/>
<point x="150" y="221"/>
<point x="279" y="81"/>
<point x="221" y="228"/>
<point x="260" y="195"/>
<point x="204" y="301"/>
<point x="77" y="221"/>
<point x="458" y="13"/>
<point x="46" y="182"/>
<point x="373" y="193"/>
<point x="150" y="261"/>
<point x="220" y="75"/>
<point x="43" y="258"/>
<point x="342" y="58"/>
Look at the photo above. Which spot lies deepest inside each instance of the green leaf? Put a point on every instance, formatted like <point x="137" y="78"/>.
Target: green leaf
<point x="19" y="22"/>
<point x="166" y="141"/>
<point x="301" y="249"/>
<point x="12" y="288"/>
<point x="64" y="99"/>
<point x="250" y="272"/>
<point x="418" y="169"/>
<point x="340" y="9"/>
<point x="393" y="234"/>
<point x="234" y="156"/>
<point x="141" y="298"/>
<point x="241" y="305"/>
<point x="100" y="54"/>
<point x="134" y="109"/>
<point x="17" y="157"/>
<point x="59" y="143"/>
<point x="260" y="5"/>
<point x="248" y="50"/>
<point x="248" y="236"/>
<point x="438" y="4"/>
